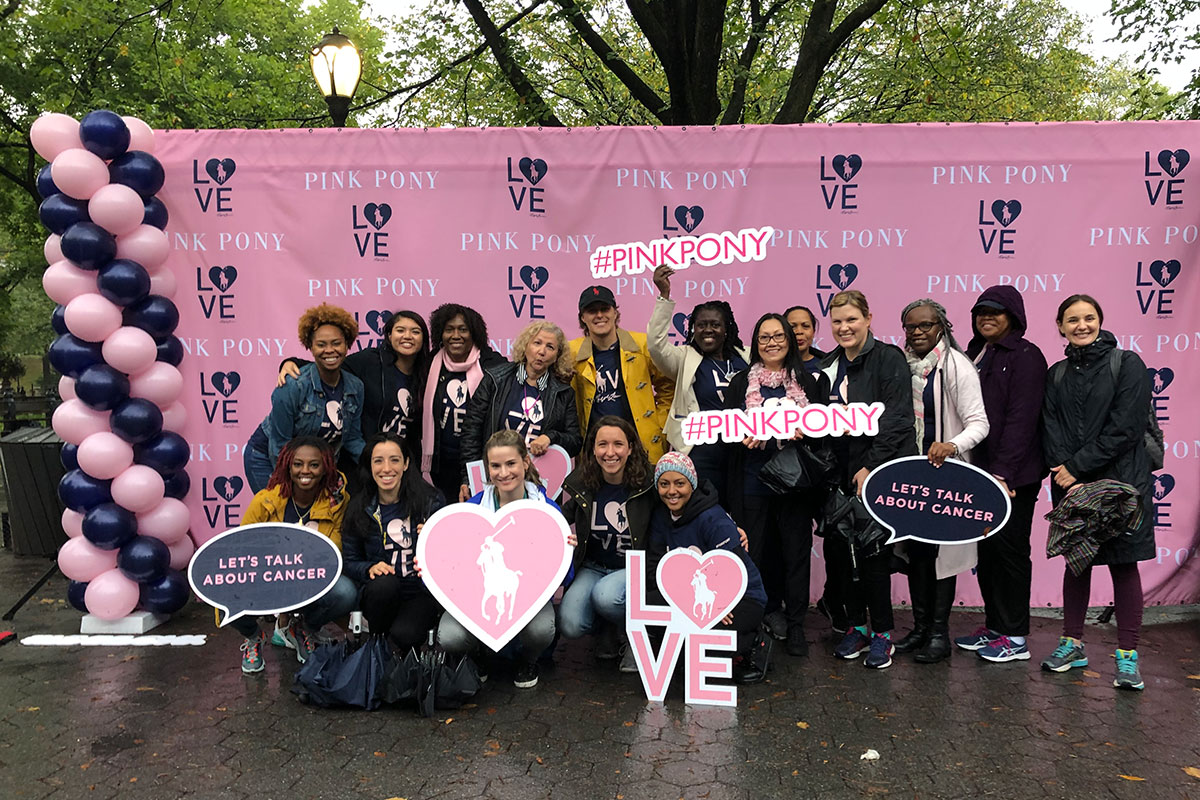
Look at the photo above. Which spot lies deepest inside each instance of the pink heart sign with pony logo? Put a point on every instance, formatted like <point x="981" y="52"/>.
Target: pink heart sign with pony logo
<point x="494" y="570"/>
<point x="702" y="588"/>
<point x="553" y="466"/>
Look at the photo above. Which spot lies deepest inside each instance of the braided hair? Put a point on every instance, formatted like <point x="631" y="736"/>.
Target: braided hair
<point x="331" y="480"/>
<point x="733" y="341"/>
<point x="939" y="311"/>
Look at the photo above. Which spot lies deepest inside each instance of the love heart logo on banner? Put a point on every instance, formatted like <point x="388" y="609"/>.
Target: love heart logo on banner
<point x="378" y="320"/>
<point x="227" y="487"/>
<point x="534" y="277"/>
<point x="847" y="167"/>
<point x="1164" y="483"/>
<point x="226" y="382"/>
<point x="702" y="588"/>
<point x="554" y="466"/>
<point x="689" y="218"/>
<point x="1173" y="161"/>
<point x="494" y="570"/>
<point x="220" y="169"/>
<point x="377" y="215"/>
<point x="843" y="275"/>
<point x="1160" y="379"/>
<point x="534" y="169"/>
<point x="1164" y="271"/>
<point x="680" y="323"/>
<point x="1006" y="212"/>
<point x="223" y="277"/>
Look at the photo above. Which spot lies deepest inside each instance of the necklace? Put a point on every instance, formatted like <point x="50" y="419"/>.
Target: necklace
<point x="301" y="514"/>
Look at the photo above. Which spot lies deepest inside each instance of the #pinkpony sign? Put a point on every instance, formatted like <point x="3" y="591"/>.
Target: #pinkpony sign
<point x="700" y="589"/>
<point x="707" y="250"/>
<point x="781" y="421"/>
<point x="494" y="570"/>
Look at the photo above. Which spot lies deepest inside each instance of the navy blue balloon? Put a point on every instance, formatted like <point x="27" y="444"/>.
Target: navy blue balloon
<point x="80" y="491"/>
<point x="139" y="171"/>
<point x="109" y="527"/>
<point x="88" y="245"/>
<point x="102" y="387"/>
<point x="170" y="350"/>
<point x="58" y="320"/>
<point x="136" y="420"/>
<point x="123" y="282"/>
<point x="156" y="315"/>
<point x="168" y="452"/>
<point x="75" y="591"/>
<point x="71" y="356"/>
<point x="167" y="595"/>
<point x="144" y="559"/>
<point x="177" y="485"/>
<point x="59" y="212"/>
<point x="104" y="133"/>
<point x="45" y="184"/>
<point x="69" y="456"/>
<point x="156" y="213"/>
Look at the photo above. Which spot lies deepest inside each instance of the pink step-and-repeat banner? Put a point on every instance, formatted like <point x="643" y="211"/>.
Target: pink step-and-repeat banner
<point x="267" y="223"/>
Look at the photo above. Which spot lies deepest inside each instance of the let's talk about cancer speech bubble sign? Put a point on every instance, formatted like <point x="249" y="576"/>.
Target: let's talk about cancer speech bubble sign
<point x="265" y="568"/>
<point x="955" y="503"/>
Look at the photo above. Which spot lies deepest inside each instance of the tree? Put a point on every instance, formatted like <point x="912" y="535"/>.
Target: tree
<point x="1172" y="31"/>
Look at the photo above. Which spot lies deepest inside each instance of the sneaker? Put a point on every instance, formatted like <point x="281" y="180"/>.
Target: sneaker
<point x="628" y="660"/>
<point x="776" y="625"/>
<point x="526" y="676"/>
<point x="978" y="640"/>
<point x="608" y="643"/>
<point x="279" y="637"/>
<point x="760" y="652"/>
<point x="303" y="642"/>
<point x="797" y="645"/>
<point x="880" y="655"/>
<point x="1068" y="655"/>
<point x="252" y="659"/>
<point x="1128" y="675"/>
<point x="1004" y="649"/>
<point x="854" y="643"/>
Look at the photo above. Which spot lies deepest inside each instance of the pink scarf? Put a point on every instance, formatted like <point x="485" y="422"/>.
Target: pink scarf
<point x="761" y="376"/>
<point x="439" y="362"/>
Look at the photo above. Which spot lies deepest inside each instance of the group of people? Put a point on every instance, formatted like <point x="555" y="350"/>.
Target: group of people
<point x="404" y="420"/>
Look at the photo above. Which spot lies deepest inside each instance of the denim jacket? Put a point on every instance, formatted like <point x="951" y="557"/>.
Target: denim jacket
<point x="298" y="407"/>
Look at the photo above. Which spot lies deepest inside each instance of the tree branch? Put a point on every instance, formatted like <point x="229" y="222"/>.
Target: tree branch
<point x="758" y="28"/>
<point x="539" y="111"/>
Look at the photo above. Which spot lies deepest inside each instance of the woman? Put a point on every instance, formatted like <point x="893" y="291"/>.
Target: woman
<point x="305" y="488"/>
<point x="950" y="421"/>
<point x="690" y="517"/>
<point x="779" y="526"/>
<point x="712" y="353"/>
<point x="612" y="499"/>
<point x="1094" y="421"/>
<point x="1012" y="374"/>
<point x="379" y="541"/>
<point x="511" y="476"/>
<point x="461" y="354"/>
<point x="532" y="395"/>
<point x="804" y="327"/>
<point x="862" y="369"/>
<point x="324" y="401"/>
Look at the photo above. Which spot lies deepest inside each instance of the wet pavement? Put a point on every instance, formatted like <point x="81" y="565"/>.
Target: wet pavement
<point x="166" y="722"/>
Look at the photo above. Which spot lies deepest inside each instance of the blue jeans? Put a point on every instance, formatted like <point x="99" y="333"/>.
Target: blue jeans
<point x="596" y="590"/>
<point x="337" y="602"/>
<point x="535" y="637"/>
<point x="258" y="467"/>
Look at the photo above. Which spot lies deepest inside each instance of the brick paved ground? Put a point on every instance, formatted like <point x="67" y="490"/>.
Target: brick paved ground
<point x="133" y="723"/>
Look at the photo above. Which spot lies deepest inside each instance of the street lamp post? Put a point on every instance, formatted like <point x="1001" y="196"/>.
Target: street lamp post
<point x="337" y="67"/>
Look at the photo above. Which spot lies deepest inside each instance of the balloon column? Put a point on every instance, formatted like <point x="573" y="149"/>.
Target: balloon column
<point x="121" y="418"/>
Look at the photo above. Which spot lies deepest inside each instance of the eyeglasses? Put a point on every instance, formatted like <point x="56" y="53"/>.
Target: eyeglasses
<point x="923" y="327"/>
<point x="765" y="338"/>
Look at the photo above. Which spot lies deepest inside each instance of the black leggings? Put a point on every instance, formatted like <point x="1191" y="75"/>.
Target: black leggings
<point x="399" y="607"/>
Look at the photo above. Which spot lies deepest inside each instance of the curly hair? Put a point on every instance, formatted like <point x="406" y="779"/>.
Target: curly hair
<point x="733" y="340"/>
<point x="511" y="438"/>
<point x="637" y="467"/>
<point x="331" y="481"/>
<point x="564" y="365"/>
<point x="326" y="314"/>
<point x="442" y="315"/>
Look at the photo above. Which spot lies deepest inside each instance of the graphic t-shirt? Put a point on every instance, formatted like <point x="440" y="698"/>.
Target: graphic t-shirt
<point x="400" y="414"/>
<point x="523" y="411"/>
<point x="451" y="406"/>
<point x="712" y="379"/>
<point x="399" y="538"/>
<point x="610" y="385"/>
<point x="608" y="538"/>
<point x="331" y="424"/>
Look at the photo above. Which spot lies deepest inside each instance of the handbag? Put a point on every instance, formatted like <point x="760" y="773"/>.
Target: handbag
<point x="798" y="467"/>
<point x="846" y="517"/>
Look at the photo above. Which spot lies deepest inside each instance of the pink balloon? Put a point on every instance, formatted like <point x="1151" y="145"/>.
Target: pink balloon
<point x="104" y="455"/>
<point x="174" y="418"/>
<point x="53" y="133"/>
<point x="72" y="523"/>
<point x="167" y="521"/>
<point x="116" y="208"/>
<point x="66" y="388"/>
<point x="63" y="281"/>
<point x="160" y="383"/>
<point x="80" y="560"/>
<point x="129" y="349"/>
<point x="110" y="595"/>
<point x="181" y="552"/>
<point x="139" y="488"/>
<point x="52" y="250"/>
<point x="141" y="137"/>
<point x="163" y="283"/>
<point x="92" y="317"/>
<point x="78" y="173"/>
<point x="146" y="245"/>
<point x="73" y="421"/>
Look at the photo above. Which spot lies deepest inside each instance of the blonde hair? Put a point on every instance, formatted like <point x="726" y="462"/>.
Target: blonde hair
<point x="564" y="366"/>
<point x="851" y="297"/>
<point x="510" y="438"/>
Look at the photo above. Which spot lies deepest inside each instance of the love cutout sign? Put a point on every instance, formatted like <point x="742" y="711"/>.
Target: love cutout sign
<point x="700" y="589"/>
<point x="494" y="570"/>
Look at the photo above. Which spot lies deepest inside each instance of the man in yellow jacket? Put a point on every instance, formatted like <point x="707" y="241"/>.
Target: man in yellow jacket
<point x="614" y="373"/>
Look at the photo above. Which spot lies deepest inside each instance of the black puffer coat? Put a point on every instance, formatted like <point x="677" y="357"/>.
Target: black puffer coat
<point x="1096" y="428"/>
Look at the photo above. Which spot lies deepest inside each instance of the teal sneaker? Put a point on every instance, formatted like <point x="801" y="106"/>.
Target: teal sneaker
<point x="1068" y="655"/>
<point x="252" y="659"/>
<point x="279" y="637"/>
<point x="1128" y="676"/>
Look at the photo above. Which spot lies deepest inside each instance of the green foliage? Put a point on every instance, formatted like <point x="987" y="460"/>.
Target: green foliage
<point x="11" y="366"/>
<point x="1170" y="30"/>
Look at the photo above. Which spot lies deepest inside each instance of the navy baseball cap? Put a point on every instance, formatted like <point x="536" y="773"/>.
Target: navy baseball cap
<point x="597" y="294"/>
